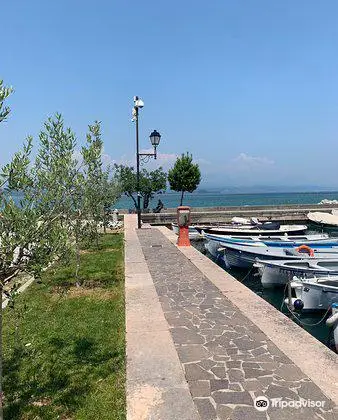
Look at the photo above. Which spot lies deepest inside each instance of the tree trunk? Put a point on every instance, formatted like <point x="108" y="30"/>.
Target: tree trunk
<point x="106" y="213"/>
<point x="1" y="391"/>
<point x="77" y="253"/>
<point x="182" y="192"/>
<point x="133" y="198"/>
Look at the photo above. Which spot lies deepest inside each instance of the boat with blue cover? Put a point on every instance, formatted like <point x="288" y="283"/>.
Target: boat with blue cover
<point x="244" y="256"/>
<point x="320" y="240"/>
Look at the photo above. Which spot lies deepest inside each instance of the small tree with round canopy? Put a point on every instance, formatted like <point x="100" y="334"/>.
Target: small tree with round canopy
<point x="185" y="176"/>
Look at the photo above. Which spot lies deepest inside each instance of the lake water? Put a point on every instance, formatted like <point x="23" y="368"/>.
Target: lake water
<point x="197" y="199"/>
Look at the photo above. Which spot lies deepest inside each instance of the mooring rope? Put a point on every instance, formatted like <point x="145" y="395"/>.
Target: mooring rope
<point x="306" y="323"/>
<point x="284" y="295"/>
<point x="247" y="274"/>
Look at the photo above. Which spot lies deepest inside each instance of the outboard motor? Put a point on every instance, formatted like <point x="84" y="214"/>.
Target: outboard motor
<point x="270" y="226"/>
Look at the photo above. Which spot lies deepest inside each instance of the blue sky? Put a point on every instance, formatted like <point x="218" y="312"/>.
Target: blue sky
<point x="250" y="88"/>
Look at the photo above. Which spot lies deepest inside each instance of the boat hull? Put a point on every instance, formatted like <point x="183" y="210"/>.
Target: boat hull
<point x="245" y="256"/>
<point x="253" y="231"/>
<point x="273" y="275"/>
<point x="212" y="247"/>
<point x="315" y="297"/>
<point x="313" y="241"/>
<point x="215" y="243"/>
<point x="237" y="259"/>
<point x="228" y="257"/>
<point x="324" y="220"/>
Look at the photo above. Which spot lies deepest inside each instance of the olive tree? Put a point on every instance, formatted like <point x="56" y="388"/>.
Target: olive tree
<point x="56" y="195"/>
<point x="101" y="190"/>
<point x="185" y="176"/>
<point x="33" y="233"/>
<point x="151" y="182"/>
<point x="4" y="94"/>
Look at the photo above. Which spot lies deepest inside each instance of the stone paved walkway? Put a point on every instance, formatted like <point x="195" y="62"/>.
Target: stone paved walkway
<point x="227" y="360"/>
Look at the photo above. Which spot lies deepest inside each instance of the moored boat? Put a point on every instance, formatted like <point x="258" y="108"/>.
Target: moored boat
<point x="254" y="230"/>
<point x="284" y="241"/>
<point x="317" y="293"/>
<point x="324" y="220"/>
<point x="244" y="256"/>
<point x="279" y="272"/>
<point x="236" y="222"/>
<point x="318" y="241"/>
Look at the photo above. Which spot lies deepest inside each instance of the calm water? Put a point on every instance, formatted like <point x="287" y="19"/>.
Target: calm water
<point x="197" y="199"/>
<point x="275" y="297"/>
<point x="216" y="200"/>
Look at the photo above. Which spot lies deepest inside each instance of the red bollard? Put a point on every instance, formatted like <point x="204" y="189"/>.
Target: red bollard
<point x="183" y="221"/>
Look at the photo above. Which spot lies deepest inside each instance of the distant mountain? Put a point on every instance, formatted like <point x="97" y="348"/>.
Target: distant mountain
<point x="259" y="189"/>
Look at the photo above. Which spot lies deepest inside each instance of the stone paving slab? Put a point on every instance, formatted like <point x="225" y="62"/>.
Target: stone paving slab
<point x="227" y="360"/>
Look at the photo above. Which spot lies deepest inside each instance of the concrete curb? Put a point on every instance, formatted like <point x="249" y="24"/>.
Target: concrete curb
<point x="312" y="357"/>
<point x="156" y="386"/>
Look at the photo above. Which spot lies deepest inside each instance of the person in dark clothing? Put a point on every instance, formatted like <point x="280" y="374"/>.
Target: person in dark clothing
<point x="159" y="207"/>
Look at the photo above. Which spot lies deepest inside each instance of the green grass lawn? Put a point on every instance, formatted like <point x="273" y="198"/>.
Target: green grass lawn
<point x="64" y="346"/>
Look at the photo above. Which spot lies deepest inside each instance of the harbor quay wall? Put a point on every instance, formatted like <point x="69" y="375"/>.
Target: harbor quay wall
<point x="279" y="213"/>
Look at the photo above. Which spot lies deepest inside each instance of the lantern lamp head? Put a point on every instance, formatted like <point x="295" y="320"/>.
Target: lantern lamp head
<point x="155" y="138"/>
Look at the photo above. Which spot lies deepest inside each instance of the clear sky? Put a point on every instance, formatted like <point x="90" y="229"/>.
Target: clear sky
<point x="250" y="88"/>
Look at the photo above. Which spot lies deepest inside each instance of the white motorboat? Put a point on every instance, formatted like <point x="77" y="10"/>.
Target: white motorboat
<point x="215" y="242"/>
<point x="284" y="241"/>
<point x="238" y="224"/>
<point x="264" y="229"/>
<point x="329" y="220"/>
<point x="279" y="272"/>
<point x="245" y="256"/>
<point x="317" y="293"/>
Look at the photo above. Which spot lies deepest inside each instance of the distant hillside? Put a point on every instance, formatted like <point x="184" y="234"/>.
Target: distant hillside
<point x="259" y="189"/>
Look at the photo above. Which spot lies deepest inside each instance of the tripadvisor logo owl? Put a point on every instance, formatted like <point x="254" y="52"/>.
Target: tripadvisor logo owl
<point x="261" y="403"/>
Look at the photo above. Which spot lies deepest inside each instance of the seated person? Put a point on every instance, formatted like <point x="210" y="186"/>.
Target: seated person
<point x="159" y="207"/>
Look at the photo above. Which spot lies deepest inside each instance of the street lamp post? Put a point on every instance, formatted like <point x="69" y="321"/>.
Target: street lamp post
<point x="155" y="138"/>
